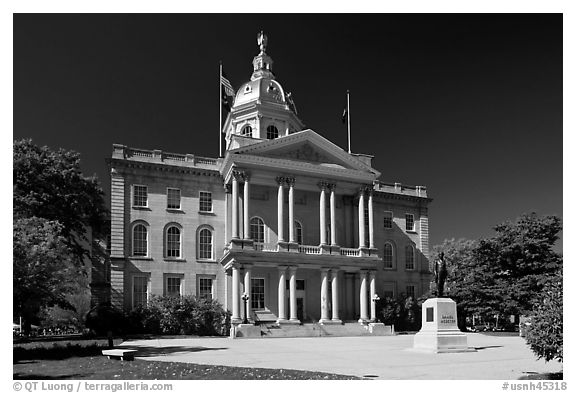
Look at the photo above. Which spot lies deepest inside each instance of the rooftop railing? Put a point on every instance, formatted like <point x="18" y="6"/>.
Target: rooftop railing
<point x="134" y="154"/>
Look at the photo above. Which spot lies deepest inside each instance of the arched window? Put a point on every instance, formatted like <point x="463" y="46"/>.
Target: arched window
<point x="246" y="131"/>
<point x="205" y="246"/>
<point x="409" y="252"/>
<point x="388" y="256"/>
<point x="140" y="240"/>
<point x="173" y="242"/>
<point x="299" y="233"/>
<point x="257" y="229"/>
<point x="271" y="132"/>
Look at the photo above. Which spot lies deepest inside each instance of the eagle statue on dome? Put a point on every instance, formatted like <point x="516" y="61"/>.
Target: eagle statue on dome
<point x="262" y="40"/>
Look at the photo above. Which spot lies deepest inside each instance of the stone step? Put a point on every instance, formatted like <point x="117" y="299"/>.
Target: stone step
<point x="352" y="329"/>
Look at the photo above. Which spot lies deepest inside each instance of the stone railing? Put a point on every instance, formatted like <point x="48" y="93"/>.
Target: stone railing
<point x="266" y="247"/>
<point x="350" y="252"/>
<point x="189" y="160"/>
<point x="309" y="249"/>
<point x="399" y="188"/>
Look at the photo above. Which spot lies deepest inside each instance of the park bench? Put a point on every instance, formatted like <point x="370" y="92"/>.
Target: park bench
<point x="120" y="354"/>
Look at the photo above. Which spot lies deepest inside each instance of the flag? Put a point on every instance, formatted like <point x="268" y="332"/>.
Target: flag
<point x="227" y="86"/>
<point x="227" y="92"/>
<point x="344" y="116"/>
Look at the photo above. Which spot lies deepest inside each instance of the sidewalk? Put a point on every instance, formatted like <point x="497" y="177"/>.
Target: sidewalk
<point x="384" y="357"/>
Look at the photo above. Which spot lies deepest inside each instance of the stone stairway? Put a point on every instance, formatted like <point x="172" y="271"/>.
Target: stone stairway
<point x="350" y="329"/>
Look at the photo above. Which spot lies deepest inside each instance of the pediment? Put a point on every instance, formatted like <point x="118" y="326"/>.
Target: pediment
<point x="306" y="152"/>
<point x="306" y="146"/>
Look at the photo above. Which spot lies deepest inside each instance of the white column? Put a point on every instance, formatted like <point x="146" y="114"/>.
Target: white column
<point x="280" y="181"/>
<point x="246" y="207"/>
<point x="361" y="224"/>
<point x="372" y="293"/>
<point x="291" y="231"/>
<point x="324" y="295"/>
<point x="371" y="219"/>
<point x="323" y="214"/>
<point x="234" y="206"/>
<point x="247" y="289"/>
<point x="335" y="297"/>
<point x="333" y="214"/>
<point x="281" y="294"/>
<point x="235" y="294"/>
<point x="363" y="300"/>
<point x="293" y="307"/>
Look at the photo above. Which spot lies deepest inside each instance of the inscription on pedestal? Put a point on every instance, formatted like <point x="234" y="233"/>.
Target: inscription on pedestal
<point x="447" y="319"/>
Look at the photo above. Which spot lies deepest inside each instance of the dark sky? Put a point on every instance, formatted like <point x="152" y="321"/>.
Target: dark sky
<point x="468" y="105"/>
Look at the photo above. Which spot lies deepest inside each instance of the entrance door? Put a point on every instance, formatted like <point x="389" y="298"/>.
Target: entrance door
<point x="300" y="308"/>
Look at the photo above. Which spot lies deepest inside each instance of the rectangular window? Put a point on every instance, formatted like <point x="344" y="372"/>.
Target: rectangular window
<point x="411" y="291"/>
<point x="388" y="218"/>
<point x="139" y="291"/>
<point x="205" y="288"/>
<point x="205" y="201"/>
<point x="388" y="291"/>
<point x="173" y="198"/>
<point x="388" y="256"/>
<point x="140" y="196"/>
<point x="409" y="222"/>
<point x="257" y="294"/>
<point x="409" y="251"/>
<point x="173" y="286"/>
<point x="300" y="285"/>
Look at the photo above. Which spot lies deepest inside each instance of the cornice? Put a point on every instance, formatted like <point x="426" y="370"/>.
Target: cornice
<point x="390" y="195"/>
<point x="292" y="166"/>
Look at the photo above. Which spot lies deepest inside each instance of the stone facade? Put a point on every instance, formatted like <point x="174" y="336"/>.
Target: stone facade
<point x="188" y="225"/>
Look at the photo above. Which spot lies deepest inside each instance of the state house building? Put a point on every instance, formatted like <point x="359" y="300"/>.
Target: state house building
<point x="303" y="227"/>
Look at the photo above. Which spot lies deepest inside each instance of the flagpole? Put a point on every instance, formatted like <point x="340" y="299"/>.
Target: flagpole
<point x="220" y="106"/>
<point x="348" y="112"/>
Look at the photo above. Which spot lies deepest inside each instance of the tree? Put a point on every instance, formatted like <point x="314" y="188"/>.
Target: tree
<point x="516" y="260"/>
<point x="43" y="267"/>
<point x="50" y="184"/>
<point x="75" y="315"/>
<point x="545" y="332"/>
<point x="502" y="275"/>
<point x="55" y="207"/>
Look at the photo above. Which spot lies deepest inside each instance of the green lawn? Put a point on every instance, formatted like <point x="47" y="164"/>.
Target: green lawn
<point x="100" y="367"/>
<point x="82" y="359"/>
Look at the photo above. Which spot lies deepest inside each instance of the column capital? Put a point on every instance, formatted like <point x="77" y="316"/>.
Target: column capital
<point x="281" y="180"/>
<point x="245" y="176"/>
<point x="324" y="269"/>
<point x="238" y="174"/>
<point x="292" y="269"/>
<point x="282" y="269"/>
<point x="228" y="188"/>
<point x="366" y="189"/>
<point x="322" y="184"/>
<point x="290" y="181"/>
<point x="331" y="186"/>
<point x="247" y="266"/>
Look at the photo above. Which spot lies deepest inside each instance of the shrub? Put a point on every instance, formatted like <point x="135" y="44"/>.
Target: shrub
<point x="544" y="333"/>
<point x="180" y="315"/>
<point x="404" y="314"/>
<point x="104" y="318"/>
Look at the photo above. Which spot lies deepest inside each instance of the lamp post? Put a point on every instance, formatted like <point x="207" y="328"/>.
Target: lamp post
<point x="375" y="298"/>
<point x="245" y="298"/>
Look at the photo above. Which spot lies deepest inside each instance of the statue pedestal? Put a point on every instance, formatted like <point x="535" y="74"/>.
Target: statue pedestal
<point x="440" y="331"/>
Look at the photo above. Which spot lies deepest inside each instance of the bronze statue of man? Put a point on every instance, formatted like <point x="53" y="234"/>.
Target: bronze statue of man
<point x="440" y="274"/>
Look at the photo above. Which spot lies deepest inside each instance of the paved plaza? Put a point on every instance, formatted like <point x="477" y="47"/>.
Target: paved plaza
<point x="384" y="357"/>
